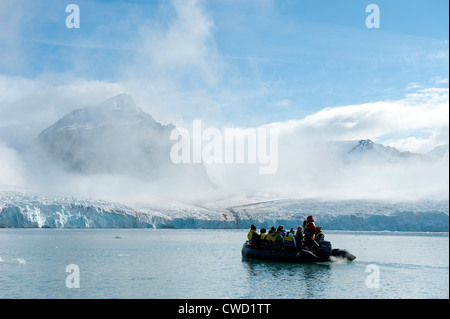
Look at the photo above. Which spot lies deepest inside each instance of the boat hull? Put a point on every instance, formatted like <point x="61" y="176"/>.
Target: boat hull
<point x="325" y="253"/>
<point x="302" y="256"/>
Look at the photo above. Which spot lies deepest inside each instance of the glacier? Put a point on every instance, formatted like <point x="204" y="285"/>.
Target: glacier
<point x="28" y="209"/>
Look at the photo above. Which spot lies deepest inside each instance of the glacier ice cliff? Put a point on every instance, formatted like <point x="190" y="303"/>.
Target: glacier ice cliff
<point x="23" y="209"/>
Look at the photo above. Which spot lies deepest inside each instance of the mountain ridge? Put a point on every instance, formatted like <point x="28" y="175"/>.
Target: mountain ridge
<point x="115" y="137"/>
<point x="369" y="149"/>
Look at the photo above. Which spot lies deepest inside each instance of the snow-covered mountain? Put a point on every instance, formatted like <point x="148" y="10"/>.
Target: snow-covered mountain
<point x="439" y="152"/>
<point x="368" y="151"/>
<point x="115" y="137"/>
<point x="30" y="209"/>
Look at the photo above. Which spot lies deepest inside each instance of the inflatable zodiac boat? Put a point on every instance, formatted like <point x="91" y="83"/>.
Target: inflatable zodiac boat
<point x="324" y="253"/>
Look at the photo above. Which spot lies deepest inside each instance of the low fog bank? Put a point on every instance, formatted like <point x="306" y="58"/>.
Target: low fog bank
<point x="113" y="150"/>
<point x="317" y="166"/>
<point x="314" y="171"/>
<point x="306" y="169"/>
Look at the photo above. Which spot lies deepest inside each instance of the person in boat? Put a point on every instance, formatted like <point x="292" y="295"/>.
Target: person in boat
<point x="299" y="237"/>
<point x="269" y="238"/>
<point x="278" y="240"/>
<point x="319" y="235"/>
<point x="262" y="237"/>
<point x="309" y="230"/>
<point x="253" y="236"/>
<point x="289" y="240"/>
<point x="292" y="231"/>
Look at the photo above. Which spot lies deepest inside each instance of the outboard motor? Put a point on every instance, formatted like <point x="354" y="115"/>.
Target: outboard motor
<point x="342" y="253"/>
<point x="325" y="250"/>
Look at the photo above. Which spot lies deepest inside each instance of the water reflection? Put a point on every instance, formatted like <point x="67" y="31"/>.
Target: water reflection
<point x="287" y="280"/>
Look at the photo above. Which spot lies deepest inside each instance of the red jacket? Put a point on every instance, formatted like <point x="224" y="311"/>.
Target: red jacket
<point x="309" y="229"/>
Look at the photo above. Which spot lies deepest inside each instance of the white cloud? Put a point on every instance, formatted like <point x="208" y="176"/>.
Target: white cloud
<point x="426" y="109"/>
<point x="176" y="73"/>
<point x="308" y="166"/>
<point x="11" y="15"/>
<point x="413" y="86"/>
<point x="184" y="47"/>
<point x="411" y="144"/>
<point x="29" y="106"/>
<point x="11" y="167"/>
<point x="440" y="80"/>
<point x="305" y="168"/>
<point x="172" y="76"/>
<point x="284" y="103"/>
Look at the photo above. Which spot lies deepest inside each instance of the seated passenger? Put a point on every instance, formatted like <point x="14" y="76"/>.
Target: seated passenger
<point x="253" y="236"/>
<point x="289" y="240"/>
<point x="278" y="240"/>
<point x="319" y="235"/>
<point x="299" y="237"/>
<point x="269" y="238"/>
<point x="262" y="237"/>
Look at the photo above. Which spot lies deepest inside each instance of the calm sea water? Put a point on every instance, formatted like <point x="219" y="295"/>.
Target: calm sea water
<point x="149" y="263"/>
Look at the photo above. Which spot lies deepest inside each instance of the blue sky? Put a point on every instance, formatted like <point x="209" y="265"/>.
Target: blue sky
<point x="241" y="62"/>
